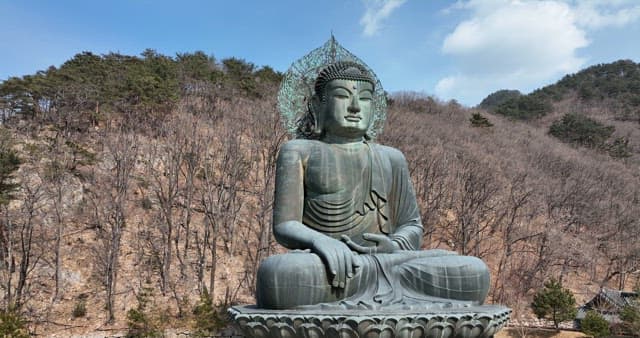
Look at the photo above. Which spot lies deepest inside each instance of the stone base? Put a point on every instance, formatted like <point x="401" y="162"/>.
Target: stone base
<point x="468" y="322"/>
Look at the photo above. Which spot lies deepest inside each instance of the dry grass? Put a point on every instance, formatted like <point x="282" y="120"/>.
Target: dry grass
<point x="537" y="333"/>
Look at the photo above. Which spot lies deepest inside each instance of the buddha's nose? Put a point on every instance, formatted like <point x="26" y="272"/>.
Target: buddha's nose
<point x="354" y="107"/>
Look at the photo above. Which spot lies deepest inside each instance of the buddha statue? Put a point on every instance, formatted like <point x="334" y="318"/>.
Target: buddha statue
<point x="346" y="208"/>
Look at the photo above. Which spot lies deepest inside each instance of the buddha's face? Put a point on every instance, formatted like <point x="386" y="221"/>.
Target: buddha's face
<point x="347" y="108"/>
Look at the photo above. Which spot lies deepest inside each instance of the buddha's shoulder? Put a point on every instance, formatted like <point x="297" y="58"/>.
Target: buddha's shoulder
<point x="301" y="146"/>
<point x="390" y="153"/>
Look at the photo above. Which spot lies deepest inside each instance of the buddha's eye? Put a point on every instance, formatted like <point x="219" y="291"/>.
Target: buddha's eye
<point x="341" y="94"/>
<point x="366" y="96"/>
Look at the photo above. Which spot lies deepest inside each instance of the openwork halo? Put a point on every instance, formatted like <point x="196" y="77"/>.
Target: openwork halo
<point x="297" y="86"/>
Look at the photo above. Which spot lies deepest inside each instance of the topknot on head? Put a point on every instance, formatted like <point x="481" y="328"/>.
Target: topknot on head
<point x="343" y="70"/>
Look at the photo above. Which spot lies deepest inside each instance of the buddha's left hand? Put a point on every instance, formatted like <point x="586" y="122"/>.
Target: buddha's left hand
<point x="384" y="244"/>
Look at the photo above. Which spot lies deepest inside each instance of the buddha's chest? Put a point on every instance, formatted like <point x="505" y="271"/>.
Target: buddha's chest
<point x="333" y="170"/>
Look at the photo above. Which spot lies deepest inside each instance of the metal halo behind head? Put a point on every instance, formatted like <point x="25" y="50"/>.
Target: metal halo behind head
<point x="297" y="86"/>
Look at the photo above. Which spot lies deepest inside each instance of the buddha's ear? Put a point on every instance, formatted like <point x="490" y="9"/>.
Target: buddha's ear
<point x="367" y="135"/>
<point x="316" y="107"/>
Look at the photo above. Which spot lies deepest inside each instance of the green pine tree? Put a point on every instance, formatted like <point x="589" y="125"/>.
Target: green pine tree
<point x="477" y="120"/>
<point x="630" y="314"/>
<point x="555" y="303"/>
<point x="581" y="130"/>
<point x="208" y="319"/>
<point x="9" y="163"/>
<point x="595" y="325"/>
<point x="12" y="324"/>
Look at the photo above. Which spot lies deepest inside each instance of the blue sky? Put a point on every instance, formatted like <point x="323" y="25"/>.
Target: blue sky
<point x="461" y="50"/>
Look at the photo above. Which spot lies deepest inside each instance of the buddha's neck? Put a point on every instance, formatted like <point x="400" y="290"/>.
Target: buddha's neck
<point x="334" y="139"/>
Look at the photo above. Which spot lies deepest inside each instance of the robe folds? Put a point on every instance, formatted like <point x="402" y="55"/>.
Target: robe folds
<point x="383" y="202"/>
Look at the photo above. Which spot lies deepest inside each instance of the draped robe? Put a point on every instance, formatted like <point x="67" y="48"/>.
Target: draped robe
<point x="369" y="191"/>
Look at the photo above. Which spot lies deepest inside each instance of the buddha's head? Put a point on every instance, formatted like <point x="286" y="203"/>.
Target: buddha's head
<point x="342" y="103"/>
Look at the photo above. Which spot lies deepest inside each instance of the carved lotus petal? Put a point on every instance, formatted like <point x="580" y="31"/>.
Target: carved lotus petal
<point x="379" y="331"/>
<point x="442" y="329"/>
<point x="315" y="321"/>
<point x="485" y="320"/>
<point x="391" y="321"/>
<point x="297" y="321"/>
<point x="340" y="331"/>
<point x="409" y="330"/>
<point x="469" y="328"/>
<point x="256" y="329"/>
<point x="364" y="324"/>
<point x="465" y="318"/>
<point x="258" y="319"/>
<point x="282" y="330"/>
<point x="422" y="320"/>
<point x="285" y="319"/>
<point x="491" y="330"/>
<point x="402" y="321"/>
<point x="325" y="322"/>
<point x="438" y="318"/>
<point x="309" y="331"/>
<point x="354" y="322"/>
<point x="242" y="320"/>
<point x="269" y="320"/>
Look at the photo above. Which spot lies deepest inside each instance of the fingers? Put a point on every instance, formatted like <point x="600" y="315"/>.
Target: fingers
<point x="330" y="260"/>
<point x="374" y="237"/>
<point x="354" y="246"/>
<point x="335" y="268"/>
<point x="355" y="263"/>
<point x="339" y="261"/>
<point x="383" y="243"/>
<point x="341" y="269"/>
<point x="348" y="262"/>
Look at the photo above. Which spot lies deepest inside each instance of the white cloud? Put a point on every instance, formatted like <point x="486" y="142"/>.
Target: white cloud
<point x="522" y="44"/>
<point x="601" y="14"/>
<point x="376" y="11"/>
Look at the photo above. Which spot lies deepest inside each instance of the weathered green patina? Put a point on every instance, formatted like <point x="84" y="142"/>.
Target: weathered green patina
<point x="347" y="209"/>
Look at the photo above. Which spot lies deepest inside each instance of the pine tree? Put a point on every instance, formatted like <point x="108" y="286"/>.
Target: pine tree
<point x="595" y="325"/>
<point x="630" y="315"/>
<point x="9" y="163"/>
<point x="555" y="303"/>
<point x="477" y="120"/>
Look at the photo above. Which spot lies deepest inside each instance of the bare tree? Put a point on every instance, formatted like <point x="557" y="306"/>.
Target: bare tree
<point x="55" y="175"/>
<point x="267" y="137"/>
<point x="515" y="231"/>
<point x="20" y="233"/>
<point x="471" y="201"/>
<point x="224" y="170"/>
<point x="430" y="174"/>
<point x="194" y="149"/>
<point x="109" y="199"/>
<point x="164" y="163"/>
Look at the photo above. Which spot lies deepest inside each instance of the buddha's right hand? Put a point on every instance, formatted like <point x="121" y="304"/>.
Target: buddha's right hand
<point x="338" y="258"/>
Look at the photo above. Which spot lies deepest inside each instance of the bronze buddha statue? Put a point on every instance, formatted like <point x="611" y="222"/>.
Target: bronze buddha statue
<point x="346" y="207"/>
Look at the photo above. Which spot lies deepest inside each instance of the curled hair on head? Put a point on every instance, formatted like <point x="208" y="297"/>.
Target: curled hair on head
<point x="343" y="70"/>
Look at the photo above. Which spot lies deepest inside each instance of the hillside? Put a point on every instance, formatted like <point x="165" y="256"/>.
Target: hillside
<point x="615" y="84"/>
<point x="597" y="108"/>
<point x="144" y="187"/>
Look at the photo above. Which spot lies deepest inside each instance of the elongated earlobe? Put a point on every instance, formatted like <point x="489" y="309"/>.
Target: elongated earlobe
<point x="315" y="107"/>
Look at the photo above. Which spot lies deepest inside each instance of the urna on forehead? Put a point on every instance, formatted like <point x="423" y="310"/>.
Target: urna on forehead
<point x="344" y="70"/>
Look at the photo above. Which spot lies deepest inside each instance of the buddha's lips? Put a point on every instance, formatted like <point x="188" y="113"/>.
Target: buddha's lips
<point x="353" y="118"/>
